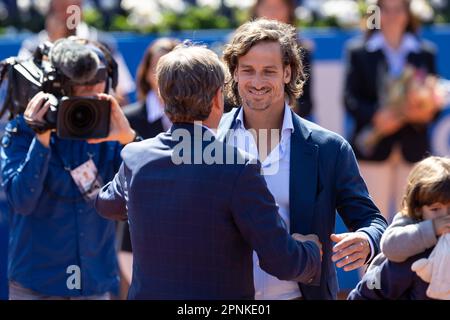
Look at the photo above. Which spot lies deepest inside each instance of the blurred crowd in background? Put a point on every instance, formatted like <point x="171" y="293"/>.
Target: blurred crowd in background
<point x="170" y="15"/>
<point x="399" y="139"/>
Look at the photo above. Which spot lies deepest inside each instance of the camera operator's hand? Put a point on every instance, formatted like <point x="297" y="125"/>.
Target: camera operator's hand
<point x="120" y="129"/>
<point x="34" y="116"/>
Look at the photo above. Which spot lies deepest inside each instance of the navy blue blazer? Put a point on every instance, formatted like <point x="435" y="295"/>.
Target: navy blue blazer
<point x="392" y="281"/>
<point x="194" y="226"/>
<point x="324" y="177"/>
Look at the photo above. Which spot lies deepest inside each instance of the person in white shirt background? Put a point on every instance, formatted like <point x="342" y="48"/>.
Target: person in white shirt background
<point x="373" y="63"/>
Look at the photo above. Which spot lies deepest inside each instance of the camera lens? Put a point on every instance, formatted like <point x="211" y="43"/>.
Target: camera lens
<point x="81" y="119"/>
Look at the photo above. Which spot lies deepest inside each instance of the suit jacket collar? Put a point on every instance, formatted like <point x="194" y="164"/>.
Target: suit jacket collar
<point x="193" y="128"/>
<point x="409" y="43"/>
<point x="303" y="177"/>
<point x="143" y="110"/>
<point x="414" y="58"/>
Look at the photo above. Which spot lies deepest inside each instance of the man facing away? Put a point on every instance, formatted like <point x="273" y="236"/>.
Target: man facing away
<point x="311" y="172"/>
<point x="197" y="208"/>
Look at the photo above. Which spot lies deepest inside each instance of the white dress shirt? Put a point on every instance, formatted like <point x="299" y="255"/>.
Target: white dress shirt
<point x="396" y="58"/>
<point x="155" y="110"/>
<point x="276" y="173"/>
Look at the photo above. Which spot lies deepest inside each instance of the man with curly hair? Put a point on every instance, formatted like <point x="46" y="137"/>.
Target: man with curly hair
<point x="310" y="171"/>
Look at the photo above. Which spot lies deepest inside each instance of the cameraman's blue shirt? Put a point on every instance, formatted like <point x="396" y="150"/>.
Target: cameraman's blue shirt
<point x="54" y="231"/>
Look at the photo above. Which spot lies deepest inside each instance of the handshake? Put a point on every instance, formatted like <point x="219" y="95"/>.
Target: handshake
<point x="309" y="237"/>
<point x="350" y="251"/>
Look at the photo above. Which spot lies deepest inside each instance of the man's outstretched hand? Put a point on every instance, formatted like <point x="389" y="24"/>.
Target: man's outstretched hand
<point x="351" y="250"/>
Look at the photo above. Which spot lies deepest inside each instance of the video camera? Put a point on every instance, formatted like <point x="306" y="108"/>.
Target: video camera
<point x="56" y="69"/>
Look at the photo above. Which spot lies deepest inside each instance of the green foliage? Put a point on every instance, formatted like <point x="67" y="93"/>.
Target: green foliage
<point x="194" y="18"/>
<point x="191" y="19"/>
<point x="120" y="23"/>
<point x="93" y="18"/>
<point x="241" y="16"/>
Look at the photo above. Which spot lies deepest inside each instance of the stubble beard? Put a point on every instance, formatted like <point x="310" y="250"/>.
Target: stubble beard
<point x="256" y="106"/>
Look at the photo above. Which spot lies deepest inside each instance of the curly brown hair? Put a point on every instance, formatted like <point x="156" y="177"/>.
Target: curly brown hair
<point x="428" y="182"/>
<point x="263" y="30"/>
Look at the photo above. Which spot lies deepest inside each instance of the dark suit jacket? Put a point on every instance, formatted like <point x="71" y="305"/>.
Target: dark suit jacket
<point x="136" y="114"/>
<point x="392" y="281"/>
<point x="363" y="80"/>
<point x="194" y="226"/>
<point x="324" y="177"/>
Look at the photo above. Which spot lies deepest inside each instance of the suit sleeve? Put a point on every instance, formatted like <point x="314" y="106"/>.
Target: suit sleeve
<point x="353" y="202"/>
<point x="388" y="281"/>
<point x="405" y="238"/>
<point x="112" y="199"/>
<point x="256" y="215"/>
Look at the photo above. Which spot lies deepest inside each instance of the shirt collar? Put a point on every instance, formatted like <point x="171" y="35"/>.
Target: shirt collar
<point x="378" y="42"/>
<point x="154" y="108"/>
<point x="288" y="124"/>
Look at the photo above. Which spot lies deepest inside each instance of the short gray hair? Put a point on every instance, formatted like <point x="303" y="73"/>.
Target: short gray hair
<point x="188" y="78"/>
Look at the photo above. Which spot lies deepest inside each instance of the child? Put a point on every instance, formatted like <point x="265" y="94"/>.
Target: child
<point x="407" y="236"/>
<point x="424" y="217"/>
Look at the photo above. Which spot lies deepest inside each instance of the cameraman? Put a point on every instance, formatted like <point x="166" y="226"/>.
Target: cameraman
<point x="59" y="247"/>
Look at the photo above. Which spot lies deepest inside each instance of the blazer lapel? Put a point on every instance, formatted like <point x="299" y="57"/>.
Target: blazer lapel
<point x="303" y="178"/>
<point x="417" y="60"/>
<point x="227" y="123"/>
<point x="380" y="69"/>
<point x="143" y="112"/>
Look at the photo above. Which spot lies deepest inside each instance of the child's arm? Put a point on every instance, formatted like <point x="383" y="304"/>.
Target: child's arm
<point x="405" y="238"/>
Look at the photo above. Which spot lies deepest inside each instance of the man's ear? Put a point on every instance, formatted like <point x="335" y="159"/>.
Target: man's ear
<point x="217" y="102"/>
<point x="287" y="74"/>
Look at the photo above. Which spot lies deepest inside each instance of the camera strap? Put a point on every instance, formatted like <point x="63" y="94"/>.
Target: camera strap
<point x="85" y="176"/>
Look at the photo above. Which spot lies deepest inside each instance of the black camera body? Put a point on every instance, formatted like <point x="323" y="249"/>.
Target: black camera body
<point x="72" y="117"/>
